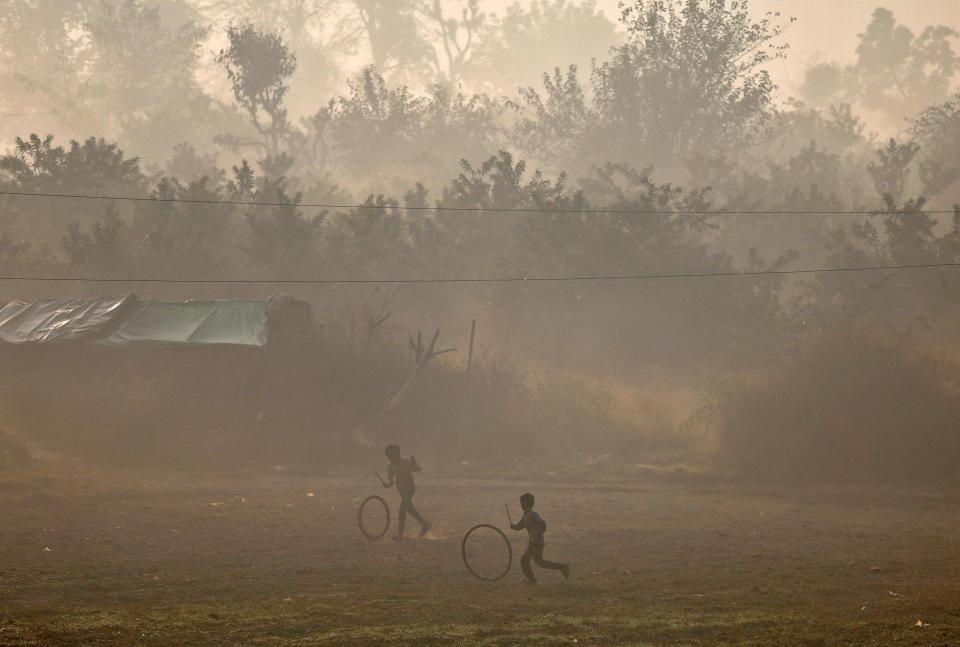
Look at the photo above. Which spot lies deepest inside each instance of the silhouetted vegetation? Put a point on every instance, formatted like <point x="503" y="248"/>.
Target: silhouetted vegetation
<point x="846" y="404"/>
<point x="631" y="171"/>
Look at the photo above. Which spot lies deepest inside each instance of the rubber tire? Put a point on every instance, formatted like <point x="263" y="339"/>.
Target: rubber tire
<point x="463" y="553"/>
<point x="386" y="526"/>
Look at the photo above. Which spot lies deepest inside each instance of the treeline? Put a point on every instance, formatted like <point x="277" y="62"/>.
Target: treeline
<point x="639" y="167"/>
<point x="526" y="225"/>
<point x="682" y="86"/>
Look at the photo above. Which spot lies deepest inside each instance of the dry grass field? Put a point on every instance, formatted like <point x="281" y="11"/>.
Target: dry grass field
<point x="166" y="559"/>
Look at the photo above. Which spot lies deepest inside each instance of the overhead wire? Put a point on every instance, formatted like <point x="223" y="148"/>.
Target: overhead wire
<point x="480" y="280"/>
<point x="325" y="205"/>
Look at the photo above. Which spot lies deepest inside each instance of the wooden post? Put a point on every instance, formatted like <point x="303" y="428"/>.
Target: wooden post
<point x="473" y="330"/>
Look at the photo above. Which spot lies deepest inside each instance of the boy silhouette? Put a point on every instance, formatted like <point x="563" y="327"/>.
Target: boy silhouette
<point x="535" y="526"/>
<point x="400" y="472"/>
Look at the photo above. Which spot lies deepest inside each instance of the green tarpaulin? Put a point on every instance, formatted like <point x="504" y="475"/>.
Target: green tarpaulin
<point x="167" y="323"/>
<point x="131" y="321"/>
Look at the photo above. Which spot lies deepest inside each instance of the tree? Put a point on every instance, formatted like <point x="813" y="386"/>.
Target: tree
<point x="389" y="131"/>
<point x="454" y="40"/>
<point x="516" y="49"/>
<point x="691" y="77"/>
<point x="374" y="120"/>
<point x="896" y="72"/>
<point x="891" y="169"/>
<point x="937" y="130"/>
<point x="258" y="65"/>
<point x="43" y="57"/>
<point x="557" y="124"/>
<point x="186" y="239"/>
<point x="556" y="238"/>
<point x="92" y="167"/>
<point x="392" y="30"/>
<point x="283" y="241"/>
<point x="306" y="29"/>
<point x="900" y="73"/>
<point x="143" y="65"/>
<point x="688" y="82"/>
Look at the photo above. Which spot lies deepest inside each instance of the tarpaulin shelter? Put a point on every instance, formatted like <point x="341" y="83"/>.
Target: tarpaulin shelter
<point x="125" y="361"/>
<point x="130" y="321"/>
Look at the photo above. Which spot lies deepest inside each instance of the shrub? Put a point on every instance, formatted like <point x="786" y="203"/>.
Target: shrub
<point x="847" y="404"/>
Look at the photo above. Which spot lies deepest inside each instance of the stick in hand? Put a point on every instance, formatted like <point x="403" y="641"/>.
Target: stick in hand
<point x="507" y="508"/>
<point x="382" y="482"/>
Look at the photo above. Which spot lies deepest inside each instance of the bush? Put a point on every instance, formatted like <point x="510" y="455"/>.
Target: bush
<point x="236" y="407"/>
<point x="848" y="404"/>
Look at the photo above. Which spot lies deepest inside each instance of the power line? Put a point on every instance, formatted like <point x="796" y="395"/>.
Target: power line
<point x="73" y="110"/>
<point x="469" y="209"/>
<point x="507" y="279"/>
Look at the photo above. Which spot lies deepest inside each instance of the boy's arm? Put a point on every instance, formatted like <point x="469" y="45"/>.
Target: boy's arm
<point x="389" y="482"/>
<point x="520" y="525"/>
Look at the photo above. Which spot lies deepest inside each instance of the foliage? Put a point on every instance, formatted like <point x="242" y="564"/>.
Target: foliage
<point x="147" y="64"/>
<point x="258" y="65"/>
<point x="937" y="131"/>
<point x="896" y="72"/>
<point x="900" y="234"/>
<point x="900" y="72"/>
<point x="453" y="40"/>
<point x="389" y="131"/>
<point x="393" y="33"/>
<point x="690" y="80"/>
<point x="529" y="39"/>
<point x="848" y="404"/>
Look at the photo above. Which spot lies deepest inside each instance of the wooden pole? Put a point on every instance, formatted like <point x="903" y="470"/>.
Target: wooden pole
<point x="473" y="330"/>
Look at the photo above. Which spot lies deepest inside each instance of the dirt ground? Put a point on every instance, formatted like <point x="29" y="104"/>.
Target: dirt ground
<point x="158" y="559"/>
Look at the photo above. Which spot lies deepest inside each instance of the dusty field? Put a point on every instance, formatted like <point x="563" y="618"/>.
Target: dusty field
<point x="150" y="560"/>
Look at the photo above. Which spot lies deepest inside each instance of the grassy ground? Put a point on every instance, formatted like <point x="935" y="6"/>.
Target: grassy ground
<point x="97" y="559"/>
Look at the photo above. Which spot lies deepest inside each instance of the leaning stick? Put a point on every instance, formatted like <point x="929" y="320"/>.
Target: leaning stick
<point x="507" y="508"/>
<point x="382" y="482"/>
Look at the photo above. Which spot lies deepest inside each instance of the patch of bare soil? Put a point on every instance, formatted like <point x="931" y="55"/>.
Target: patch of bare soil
<point x="277" y="559"/>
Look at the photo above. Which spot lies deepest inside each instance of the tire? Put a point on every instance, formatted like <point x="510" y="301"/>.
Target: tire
<point x="466" y="562"/>
<point x="366" y="533"/>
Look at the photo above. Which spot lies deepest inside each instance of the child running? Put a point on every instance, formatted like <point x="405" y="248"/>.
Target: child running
<point x="400" y="471"/>
<point x="535" y="526"/>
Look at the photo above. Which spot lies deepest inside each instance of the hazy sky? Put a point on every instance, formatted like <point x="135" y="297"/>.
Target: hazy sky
<point x="825" y="29"/>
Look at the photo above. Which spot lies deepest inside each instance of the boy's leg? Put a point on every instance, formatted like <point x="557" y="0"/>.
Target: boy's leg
<point x="402" y="517"/>
<point x="545" y="563"/>
<point x="407" y="503"/>
<point x="525" y="564"/>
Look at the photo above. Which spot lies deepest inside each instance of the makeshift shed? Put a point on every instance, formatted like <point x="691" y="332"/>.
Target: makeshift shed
<point x="110" y="362"/>
<point x="146" y="323"/>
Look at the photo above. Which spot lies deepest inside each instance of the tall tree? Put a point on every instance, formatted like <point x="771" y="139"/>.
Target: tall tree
<point x="690" y="81"/>
<point x="393" y="34"/>
<point x="42" y="62"/>
<point x="899" y="72"/>
<point x="258" y="65"/>
<point x="517" y="48"/>
<point x="937" y="130"/>
<point x="896" y="72"/>
<point x="454" y="39"/>
<point x="144" y="64"/>
<point x="312" y="29"/>
<point x="691" y="78"/>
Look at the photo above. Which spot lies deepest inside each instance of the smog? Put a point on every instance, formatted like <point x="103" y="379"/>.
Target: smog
<point x="479" y="322"/>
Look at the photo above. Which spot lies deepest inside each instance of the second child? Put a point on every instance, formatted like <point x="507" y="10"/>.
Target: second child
<point x="535" y="526"/>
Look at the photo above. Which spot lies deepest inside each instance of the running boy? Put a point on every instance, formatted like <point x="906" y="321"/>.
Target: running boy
<point x="535" y="526"/>
<point x="400" y="471"/>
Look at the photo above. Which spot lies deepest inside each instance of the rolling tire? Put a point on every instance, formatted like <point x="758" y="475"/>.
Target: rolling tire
<point x="466" y="562"/>
<point x="373" y="536"/>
